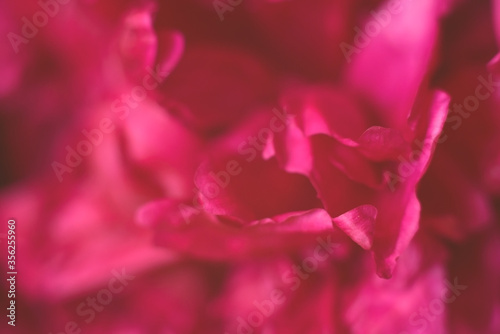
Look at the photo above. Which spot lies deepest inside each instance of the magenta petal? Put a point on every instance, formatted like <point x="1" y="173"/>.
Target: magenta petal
<point x="358" y="224"/>
<point x="392" y="306"/>
<point x="402" y="52"/>
<point x="293" y="150"/>
<point x="382" y="169"/>
<point x="214" y="88"/>
<point x="399" y="209"/>
<point x="398" y="223"/>
<point x="170" y="50"/>
<point x="326" y="110"/>
<point x="221" y="238"/>
<point x="378" y="143"/>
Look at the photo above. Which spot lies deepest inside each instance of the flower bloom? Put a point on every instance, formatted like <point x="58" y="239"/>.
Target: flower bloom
<point x="253" y="167"/>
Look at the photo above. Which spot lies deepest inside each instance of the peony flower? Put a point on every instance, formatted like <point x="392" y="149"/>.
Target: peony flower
<point x="253" y="167"/>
